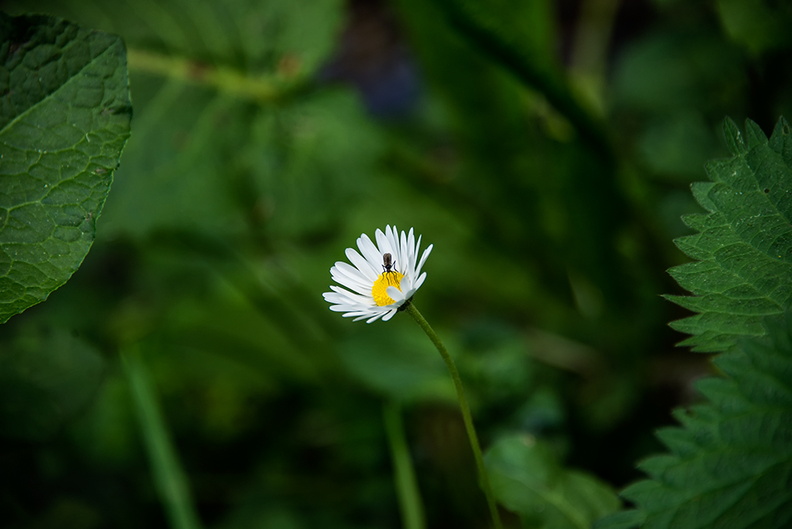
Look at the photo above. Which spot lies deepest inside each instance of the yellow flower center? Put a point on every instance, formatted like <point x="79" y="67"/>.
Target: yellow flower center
<point x="380" y="288"/>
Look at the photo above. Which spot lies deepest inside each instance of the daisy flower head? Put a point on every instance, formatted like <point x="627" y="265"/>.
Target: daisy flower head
<point x="381" y="278"/>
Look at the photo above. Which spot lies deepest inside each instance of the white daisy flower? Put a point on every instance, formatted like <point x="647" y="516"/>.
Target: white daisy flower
<point x="381" y="278"/>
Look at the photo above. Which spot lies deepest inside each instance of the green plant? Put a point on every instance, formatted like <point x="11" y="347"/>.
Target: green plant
<point x="186" y="372"/>
<point x="728" y="464"/>
<point x="63" y="124"/>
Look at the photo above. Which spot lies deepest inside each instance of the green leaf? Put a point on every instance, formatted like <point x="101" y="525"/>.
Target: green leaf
<point x="743" y="244"/>
<point x="730" y="463"/>
<point x="64" y="120"/>
<point x="527" y="479"/>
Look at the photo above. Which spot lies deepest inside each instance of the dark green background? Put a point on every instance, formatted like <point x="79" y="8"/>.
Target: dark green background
<point x="545" y="148"/>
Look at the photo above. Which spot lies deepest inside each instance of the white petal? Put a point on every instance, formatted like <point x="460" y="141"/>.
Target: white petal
<point x="331" y="298"/>
<point x="395" y="293"/>
<point x="348" y="271"/>
<point x="389" y="315"/>
<point x="411" y="249"/>
<point x="348" y="277"/>
<point x="404" y="256"/>
<point x="414" y="251"/>
<point x="362" y="264"/>
<point x="343" y="308"/>
<point x="347" y="296"/>
<point x="419" y="281"/>
<point x="423" y="258"/>
<point x="369" y="251"/>
<point x="383" y="244"/>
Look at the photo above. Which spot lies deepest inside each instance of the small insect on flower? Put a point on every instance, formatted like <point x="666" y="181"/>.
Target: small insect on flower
<point x="387" y="262"/>
<point x="373" y="287"/>
<point x="388" y="267"/>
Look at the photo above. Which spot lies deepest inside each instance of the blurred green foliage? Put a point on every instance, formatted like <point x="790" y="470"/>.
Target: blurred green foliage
<point x="545" y="148"/>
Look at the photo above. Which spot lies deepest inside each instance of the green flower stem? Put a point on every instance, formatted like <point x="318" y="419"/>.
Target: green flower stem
<point x="404" y="478"/>
<point x="168" y="474"/>
<point x="465" y="408"/>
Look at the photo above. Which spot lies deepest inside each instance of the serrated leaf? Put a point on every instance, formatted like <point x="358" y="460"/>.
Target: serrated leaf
<point x="64" y="120"/>
<point x="730" y="463"/>
<point x="744" y="245"/>
<point x="733" y="137"/>
<point x="628" y="519"/>
<point x="527" y="479"/>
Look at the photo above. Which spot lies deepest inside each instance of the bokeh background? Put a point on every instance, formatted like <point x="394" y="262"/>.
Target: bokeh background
<point x="545" y="149"/>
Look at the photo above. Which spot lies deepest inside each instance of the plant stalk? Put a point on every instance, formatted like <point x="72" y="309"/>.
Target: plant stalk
<point x="465" y="409"/>
<point x="226" y="80"/>
<point x="407" y="491"/>
<point x="168" y="474"/>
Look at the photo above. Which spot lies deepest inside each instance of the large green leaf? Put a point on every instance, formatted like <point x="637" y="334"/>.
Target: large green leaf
<point x="730" y="464"/>
<point x="527" y="479"/>
<point x="64" y="119"/>
<point x="743" y="247"/>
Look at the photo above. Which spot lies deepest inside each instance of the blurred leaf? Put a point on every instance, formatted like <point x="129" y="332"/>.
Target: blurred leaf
<point x="729" y="464"/>
<point x="64" y="120"/>
<point x="677" y="145"/>
<point x="528" y="480"/>
<point x="759" y="25"/>
<point x="179" y="168"/>
<point x="47" y="376"/>
<point x="254" y="36"/>
<point x="558" y="204"/>
<point x="495" y="362"/>
<point x="403" y="367"/>
<point x="620" y="520"/>
<point x="303" y="33"/>
<point x="231" y="132"/>
<point x="517" y="36"/>
<point x="106" y="432"/>
<point x="677" y="68"/>
<point x="311" y="156"/>
<point x="525" y="26"/>
<point x="743" y="247"/>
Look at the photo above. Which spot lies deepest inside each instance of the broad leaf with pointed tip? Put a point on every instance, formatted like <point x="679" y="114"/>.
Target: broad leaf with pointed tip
<point x="528" y="480"/>
<point x="64" y="120"/>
